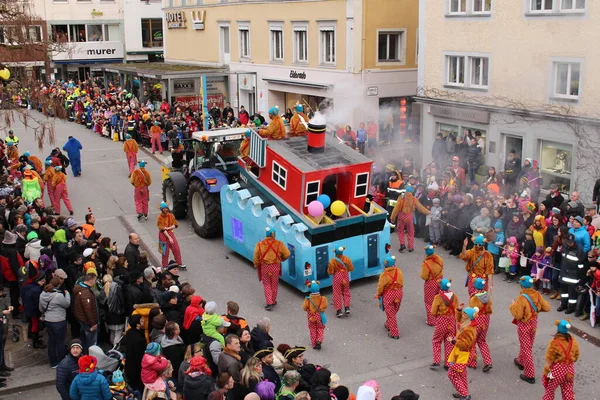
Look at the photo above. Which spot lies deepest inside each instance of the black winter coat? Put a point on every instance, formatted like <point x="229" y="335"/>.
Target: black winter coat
<point x="135" y="346"/>
<point x="572" y="257"/>
<point x="198" y="388"/>
<point x="65" y="373"/>
<point x="320" y="392"/>
<point x="132" y="295"/>
<point x="261" y="339"/>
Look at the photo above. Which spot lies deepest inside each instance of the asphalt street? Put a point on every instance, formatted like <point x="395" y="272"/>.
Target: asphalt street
<point x="356" y="347"/>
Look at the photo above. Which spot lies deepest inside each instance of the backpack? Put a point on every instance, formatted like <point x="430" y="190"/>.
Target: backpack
<point x="115" y="301"/>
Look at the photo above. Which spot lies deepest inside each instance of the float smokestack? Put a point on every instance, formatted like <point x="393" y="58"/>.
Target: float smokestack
<point x="316" y="137"/>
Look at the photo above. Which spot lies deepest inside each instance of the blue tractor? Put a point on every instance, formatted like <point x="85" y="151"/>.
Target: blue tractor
<point x="192" y="182"/>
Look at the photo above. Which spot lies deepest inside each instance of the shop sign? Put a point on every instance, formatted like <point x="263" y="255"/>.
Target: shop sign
<point x="184" y="86"/>
<point x="198" y="18"/>
<point x="372" y="91"/>
<point x="175" y="20"/>
<point x="246" y="81"/>
<point x="90" y="51"/>
<point x="192" y="102"/>
<point x="297" y="75"/>
<point x="216" y="91"/>
<point x="483" y="117"/>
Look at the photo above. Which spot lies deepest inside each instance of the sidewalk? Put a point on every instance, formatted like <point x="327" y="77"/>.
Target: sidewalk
<point x="32" y="368"/>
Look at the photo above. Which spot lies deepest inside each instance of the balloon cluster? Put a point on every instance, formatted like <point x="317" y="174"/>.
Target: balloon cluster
<point x="316" y="208"/>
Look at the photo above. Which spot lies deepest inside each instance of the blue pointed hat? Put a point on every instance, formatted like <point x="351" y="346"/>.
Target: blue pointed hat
<point x="479" y="284"/>
<point x="299" y="108"/>
<point x="445" y="284"/>
<point x="163" y="205"/>
<point x="429" y="250"/>
<point x="563" y="326"/>
<point x="390" y="261"/>
<point x="274" y="111"/>
<point x="269" y="232"/>
<point x="526" y="282"/>
<point x="471" y="312"/>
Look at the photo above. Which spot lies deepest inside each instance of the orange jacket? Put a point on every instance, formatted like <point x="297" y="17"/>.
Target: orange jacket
<point x="484" y="267"/>
<point x="521" y="309"/>
<point x="270" y="251"/>
<point x="245" y="148"/>
<point x="408" y="204"/>
<point x="164" y="221"/>
<point x="484" y="309"/>
<point x="432" y="268"/>
<point x="140" y="177"/>
<point x="387" y="278"/>
<point x="438" y="307"/>
<point x="130" y="146"/>
<point x="155" y="130"/>
<point x="334" y="265"/>
<point x="49" y="174"/>
<point x="58" y="179"/>
<point x="297" y="128"/>
<point x="320" y="302"/>
<point x="275" y="130"/>
<point x="561" y="351"/>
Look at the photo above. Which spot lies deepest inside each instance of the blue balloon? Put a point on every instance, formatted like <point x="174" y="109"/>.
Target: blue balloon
<point x="325" y="200"/>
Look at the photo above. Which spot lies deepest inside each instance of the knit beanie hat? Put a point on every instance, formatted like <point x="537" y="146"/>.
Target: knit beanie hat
<point x="87" y="364"/>
<point x="429" y="250"/>
<point x="479" y="284"/>
<point x="471" y="312"/>
<point x="390" y="261"/>
<point x="563" y="326"/>
<point x="153" y="349"/>
<point x="445" y="284"/>
<point x="526" y="282"/>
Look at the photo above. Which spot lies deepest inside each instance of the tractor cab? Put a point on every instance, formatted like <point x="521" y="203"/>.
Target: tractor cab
<point x="217" y="149"/>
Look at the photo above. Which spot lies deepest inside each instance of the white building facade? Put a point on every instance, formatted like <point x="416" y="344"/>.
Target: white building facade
<point x="143" y="25"/>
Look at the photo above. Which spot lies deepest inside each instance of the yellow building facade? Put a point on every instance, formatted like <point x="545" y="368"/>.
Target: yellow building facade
<point x="352" y="55"/>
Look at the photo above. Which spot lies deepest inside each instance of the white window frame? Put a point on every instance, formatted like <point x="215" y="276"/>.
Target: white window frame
<point x="481" y="68"/>
<point x="244" y="27"/>
<point x="569" y="62"/>
<point x="276" y="27"/>
<point x="573" y="9"/>
<point x="557" y="8"/>
<point x="39" y="29"/>
<point x="469" y="10"/>
<point x="278" y="175"/>
<point x="450" y="12"/>
<point x="311" y="193"/>
<point x="327" y="26"/>
<point x="482" y="12"/>
<point x="401" y="32"/>
<point x="467" y="60"/>
<point x="300" y="27"/>
<point x="543" y="11"/>
<point x="362" y="185"/>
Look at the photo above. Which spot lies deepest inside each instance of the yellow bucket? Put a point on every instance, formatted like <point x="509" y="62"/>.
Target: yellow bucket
<point x="165" y="172"/>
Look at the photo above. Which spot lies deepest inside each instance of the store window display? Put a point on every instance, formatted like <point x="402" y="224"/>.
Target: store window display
<point x="556" y="164"/>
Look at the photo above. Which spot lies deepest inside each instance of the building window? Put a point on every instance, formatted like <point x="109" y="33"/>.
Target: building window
<point x="556" y="165"/>
<point x="276" y="42"/>
<point x="34" y="33"/>
<point x="362" y="185"/>
<point x="458" y="6"/>
<point x="312" y="191"/>
<point x="541" y="5"/>
<point x="456" y="70"/>
<point x="566" y="80"/>
<point x="244" y="33"/>
<point x="327" y="44"/>
<point x="300" y="44"/>
<point x="94" y="33"/>
<point x="390" y="46"/>
<point x="482" y="6"/>
<point x="479" y="71"/>
<point x="572" y="5"/>
<point x="152" y="32"/>
<point x="279" y="175"/>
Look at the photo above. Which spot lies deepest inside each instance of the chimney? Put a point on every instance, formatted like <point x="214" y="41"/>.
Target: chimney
<point x="316" y="138"/>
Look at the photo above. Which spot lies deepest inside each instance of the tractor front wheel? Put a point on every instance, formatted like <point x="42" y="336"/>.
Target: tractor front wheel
<point x="205" y="210"/>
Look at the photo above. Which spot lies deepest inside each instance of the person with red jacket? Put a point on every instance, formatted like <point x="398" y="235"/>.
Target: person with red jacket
<point x="243" y="116"/>
<point x="11" y="262"/>
<point x="165" y="107"/>
<point x="153" y="363"/>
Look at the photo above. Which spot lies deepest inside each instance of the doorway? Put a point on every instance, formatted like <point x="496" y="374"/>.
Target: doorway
<point x="224" y="45"/>
<point x="512" y="142"/>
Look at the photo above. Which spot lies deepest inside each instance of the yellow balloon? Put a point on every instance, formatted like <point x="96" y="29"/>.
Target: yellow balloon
<point x="338" y="208"/>
<point x="4" y="74"/>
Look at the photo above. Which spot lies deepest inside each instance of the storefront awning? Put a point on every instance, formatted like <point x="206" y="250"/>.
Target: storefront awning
<point x="302" y="84"/>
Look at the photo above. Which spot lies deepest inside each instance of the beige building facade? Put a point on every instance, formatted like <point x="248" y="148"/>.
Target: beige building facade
<point x="351" y="55"/>
<point x="519" y="71"/>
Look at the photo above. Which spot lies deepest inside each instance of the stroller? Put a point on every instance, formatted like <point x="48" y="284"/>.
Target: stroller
<point x="108" y="362"/>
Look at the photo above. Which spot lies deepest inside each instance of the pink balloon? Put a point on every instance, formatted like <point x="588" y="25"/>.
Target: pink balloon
<point x="315" y="208"/>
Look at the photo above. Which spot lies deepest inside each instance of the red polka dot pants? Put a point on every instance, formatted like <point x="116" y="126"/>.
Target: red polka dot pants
<point x="563" y="376"/>
<point x="270" y="280"/>
<point x="174" y="247"/>
<point x="316" y="328"/>
<point x="61" y="193"/>
<point x="445" y="327"/>
<point x="406" y="221"/>
<point x="131" y="161"/>
<point x="341" y="290"/>
<point x="458" y="376"/>
<point x="430" y="289"/>
<point x="51" y="196"/>
<point x="391" y="305"/>
<point x="526" y="332"/>
<point x="482" y="326"/>
<point x="140" y="198"/>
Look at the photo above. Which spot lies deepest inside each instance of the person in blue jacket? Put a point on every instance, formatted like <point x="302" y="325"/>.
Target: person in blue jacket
<point x="582" y="237"/>
<point x="73" y="148"/>
<point x="496" y="246"/>
<point x="68" y="368"/>
<point x="89" y="384"/>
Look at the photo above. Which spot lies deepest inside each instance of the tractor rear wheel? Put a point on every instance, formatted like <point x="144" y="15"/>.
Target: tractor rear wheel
<point x="205" y="210"/>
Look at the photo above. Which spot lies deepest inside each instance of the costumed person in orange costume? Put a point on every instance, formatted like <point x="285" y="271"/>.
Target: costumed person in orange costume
<point x="167" y="241"/>
<point x="245" y="147"/>
<point x="525" y="309"/>
<point x="315" y="306"/>
<point x="269" y="253"/>
<point x="141" y="180"/>
<point x="340" y="266"/>
<point x="48" y="176"/>
<point x="483" y="302"/>
<point x="463" y="343"/>
<point x="298" y="122"/>
<point x="443" y="310"/>
<point x="37" y="163"/>
<point x="155" y="132"/>
<point x="404" y="212"/>
<point x="480" y="264"/>
<point x="59" y="185"/>
<point x="276" y="129"/>
<point x="559" y="369"/>
<point x="389" y="291"/>
<point x="432" y="270"/>
<point x="131" y="148"/>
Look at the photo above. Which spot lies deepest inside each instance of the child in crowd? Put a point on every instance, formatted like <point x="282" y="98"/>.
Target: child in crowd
<point x="435" y="222"/>
<point x="545" y="270"/>
<point x="528" y="250"/>
<point x="536" y="268"/>
<point x="512" y="252"/>
<point x="495" y="246"/>
<point x="587" y="223"/>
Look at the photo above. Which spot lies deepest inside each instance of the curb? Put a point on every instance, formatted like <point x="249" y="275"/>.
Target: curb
<point x="156" y="158"/>
<point x="24" y="388"/>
